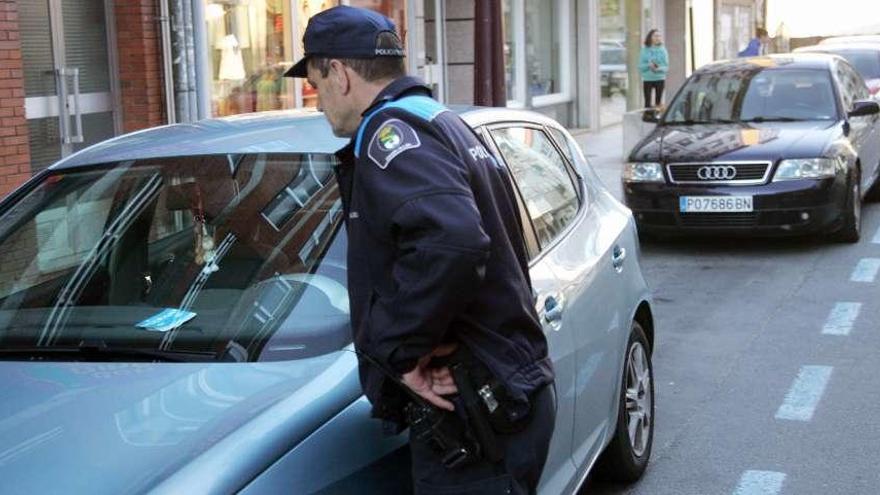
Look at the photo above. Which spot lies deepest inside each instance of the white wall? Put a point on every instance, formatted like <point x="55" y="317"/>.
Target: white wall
<point x="704" y="32"/>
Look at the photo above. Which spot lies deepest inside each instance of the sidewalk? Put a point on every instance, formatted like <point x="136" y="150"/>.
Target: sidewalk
<point x="604" y="150"/>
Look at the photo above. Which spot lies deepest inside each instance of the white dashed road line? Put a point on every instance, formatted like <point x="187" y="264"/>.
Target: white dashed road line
<point x="804" y="395"/>
<point x="866" y="270"/>
<point x="842" y="318"/>
<point x="876" y="239"/>
<point x="760" y="483"/>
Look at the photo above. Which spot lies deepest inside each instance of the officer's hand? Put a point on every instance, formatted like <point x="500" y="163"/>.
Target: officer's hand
<point x="421" y="379"/>
<point x="443" y="383"/>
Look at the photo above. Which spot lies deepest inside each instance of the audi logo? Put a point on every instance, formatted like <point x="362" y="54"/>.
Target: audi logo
<point x="717" y="172"/>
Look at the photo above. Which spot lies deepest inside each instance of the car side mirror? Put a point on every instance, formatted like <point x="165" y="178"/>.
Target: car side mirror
<point x="863" y="108"/>
<point x="651" y="115"/>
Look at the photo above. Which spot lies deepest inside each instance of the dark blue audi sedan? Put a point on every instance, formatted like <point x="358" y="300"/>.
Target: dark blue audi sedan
<point x="778" y="145"/>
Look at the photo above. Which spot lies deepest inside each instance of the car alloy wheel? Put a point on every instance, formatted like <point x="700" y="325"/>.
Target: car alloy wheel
<point x="639" y="399"/>
<point x="629" y="448"/>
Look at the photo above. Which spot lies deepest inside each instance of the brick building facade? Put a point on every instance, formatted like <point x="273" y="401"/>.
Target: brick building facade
<point x="140" y="67"/>
<point x="14" y="152"/>
<point x="109" y="50"/>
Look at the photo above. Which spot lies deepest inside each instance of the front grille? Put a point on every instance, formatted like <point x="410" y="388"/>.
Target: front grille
<point x="746" y="173"/>
<point x="719" y="219"/>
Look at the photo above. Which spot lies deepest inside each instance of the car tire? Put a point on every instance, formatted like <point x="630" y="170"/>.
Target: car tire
<point x="626" y="457"/>
<point x="851" y="231"/>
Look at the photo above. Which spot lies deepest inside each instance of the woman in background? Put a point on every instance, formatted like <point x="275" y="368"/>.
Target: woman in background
<point x="653" y="65"/>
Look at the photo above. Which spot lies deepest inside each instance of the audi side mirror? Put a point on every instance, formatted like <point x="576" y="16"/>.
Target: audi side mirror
<point x="863" y="108"/>
<point x="651" y="115"/>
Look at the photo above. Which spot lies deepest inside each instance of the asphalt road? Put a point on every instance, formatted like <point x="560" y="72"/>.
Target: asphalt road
<point x="766" y="378"/>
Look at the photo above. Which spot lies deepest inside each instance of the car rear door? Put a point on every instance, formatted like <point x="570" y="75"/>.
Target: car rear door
<point x="559" y="471"/>
<point x="576" y="243"/>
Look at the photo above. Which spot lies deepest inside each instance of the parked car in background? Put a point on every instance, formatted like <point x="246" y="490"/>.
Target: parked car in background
<point x="865" y="57"/>
<point x="778" y="145"/>
<point x="860" y="38"/>
<point x="175" y="317"/>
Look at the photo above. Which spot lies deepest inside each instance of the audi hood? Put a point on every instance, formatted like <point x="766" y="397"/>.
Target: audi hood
<point x="734" y="142"/>
<point x="126" y="427"/>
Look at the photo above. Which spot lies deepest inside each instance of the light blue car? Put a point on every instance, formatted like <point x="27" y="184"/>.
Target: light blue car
<point x="174" y="315"/>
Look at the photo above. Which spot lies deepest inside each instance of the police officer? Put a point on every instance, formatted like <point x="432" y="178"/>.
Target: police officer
<point x="437" y="267"/>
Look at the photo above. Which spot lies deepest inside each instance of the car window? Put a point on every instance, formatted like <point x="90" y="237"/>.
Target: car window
<point x="242" y="251"/>
<point x="542" y="177"/>
<point x="866" y="62"/>
<point x="855" y="84"/>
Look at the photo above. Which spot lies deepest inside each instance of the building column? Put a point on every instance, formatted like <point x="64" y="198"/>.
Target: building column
<point x="460" y="39"/>
<point x="489" y="61"/>
<point x="140" y="64"/>
<point x="587" y="83"/>
<point x="15" y="155"/>
<point x="675" y="39"/>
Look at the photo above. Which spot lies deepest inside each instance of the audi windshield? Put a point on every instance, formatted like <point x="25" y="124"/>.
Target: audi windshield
<point x="754" y="94"/>
<point x="223" y="257"/>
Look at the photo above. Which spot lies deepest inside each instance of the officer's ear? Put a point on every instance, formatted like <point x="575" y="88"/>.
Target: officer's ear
<point x="340" y="76"/>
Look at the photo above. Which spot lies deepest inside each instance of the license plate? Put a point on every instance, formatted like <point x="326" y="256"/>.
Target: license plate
<point x="715" y="204"/>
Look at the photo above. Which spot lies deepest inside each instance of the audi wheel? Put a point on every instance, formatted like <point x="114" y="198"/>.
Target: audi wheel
<point x="626" y="457"/>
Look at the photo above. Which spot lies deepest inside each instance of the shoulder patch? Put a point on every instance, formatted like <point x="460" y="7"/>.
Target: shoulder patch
<point x="392" y="138"/>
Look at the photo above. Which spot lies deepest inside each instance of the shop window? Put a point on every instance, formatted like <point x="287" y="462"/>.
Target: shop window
<point x="542" y="48"/>
<point x="250" y="47"/>
<point x="537" y="51"/>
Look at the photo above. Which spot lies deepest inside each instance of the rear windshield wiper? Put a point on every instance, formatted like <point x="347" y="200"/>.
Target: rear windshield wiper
<point x="103" y="353"/>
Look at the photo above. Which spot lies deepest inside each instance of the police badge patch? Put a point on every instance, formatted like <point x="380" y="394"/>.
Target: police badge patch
<point x="393" y="138"/>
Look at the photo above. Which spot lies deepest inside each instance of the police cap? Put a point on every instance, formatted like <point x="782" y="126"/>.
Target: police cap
<point x="345" y="32"/>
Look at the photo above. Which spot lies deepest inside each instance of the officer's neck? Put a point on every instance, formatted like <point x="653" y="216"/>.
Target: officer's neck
<point x="365" y="94"/>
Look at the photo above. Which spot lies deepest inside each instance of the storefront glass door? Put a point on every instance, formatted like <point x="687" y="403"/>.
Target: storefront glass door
<point x="68" y="84"/>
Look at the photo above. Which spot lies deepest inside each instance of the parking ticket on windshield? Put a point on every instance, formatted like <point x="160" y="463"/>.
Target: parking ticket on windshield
<point x="165" y="320"/>
<point x="715" y="204"/>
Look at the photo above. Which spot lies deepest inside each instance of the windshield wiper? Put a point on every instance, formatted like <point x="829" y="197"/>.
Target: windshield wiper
<point x="104" y="353"/>
<point x="774" y="119"/>
<point x="699" y="122"/>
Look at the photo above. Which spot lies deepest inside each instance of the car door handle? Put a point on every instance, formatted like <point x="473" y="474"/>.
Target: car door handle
<point x="553" y="308"/>
<point x="618" y="257"/>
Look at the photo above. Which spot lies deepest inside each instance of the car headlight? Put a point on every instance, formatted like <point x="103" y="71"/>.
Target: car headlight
<point x="806" y="168"/>
<point x="643" y="172"/>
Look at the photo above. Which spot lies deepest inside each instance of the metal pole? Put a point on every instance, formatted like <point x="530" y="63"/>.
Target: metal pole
<point x="202" y="70"/>
<point x="167" y="68"/>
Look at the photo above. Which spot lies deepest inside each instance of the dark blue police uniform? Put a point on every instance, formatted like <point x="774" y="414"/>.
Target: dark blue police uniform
<point x="436" y="256"/>
<point x="436" y="252"/>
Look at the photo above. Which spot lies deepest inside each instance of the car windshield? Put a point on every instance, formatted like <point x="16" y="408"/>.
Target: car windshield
<point x="231" y="256"/>
<point x="754" y="94"/>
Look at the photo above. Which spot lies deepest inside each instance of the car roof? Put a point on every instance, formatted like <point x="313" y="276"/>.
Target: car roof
<point x="841" y="47"/>
<point x="873" y="38"/>
<point x="285" y="131"/>
<point x="802" y="60"/>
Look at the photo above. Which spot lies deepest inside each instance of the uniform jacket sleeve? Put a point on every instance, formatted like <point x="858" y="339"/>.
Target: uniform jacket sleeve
<point x="422" y="203"/>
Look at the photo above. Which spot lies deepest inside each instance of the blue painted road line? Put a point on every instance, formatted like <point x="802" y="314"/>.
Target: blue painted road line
<point x="760" y="483"/>
<point x="804" y="395"/>
<point x="866" y="270"/>
<point x="842" y="318"/>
